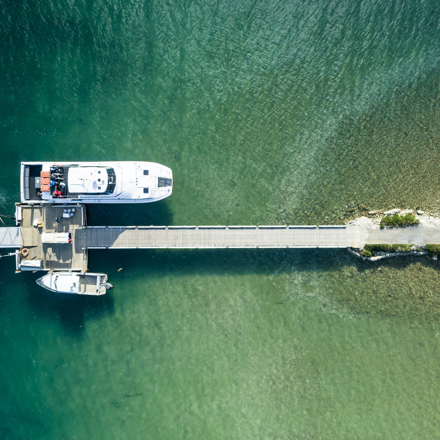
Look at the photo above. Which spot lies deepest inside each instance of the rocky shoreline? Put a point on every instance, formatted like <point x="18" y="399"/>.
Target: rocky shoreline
<point x="417" y="251"/>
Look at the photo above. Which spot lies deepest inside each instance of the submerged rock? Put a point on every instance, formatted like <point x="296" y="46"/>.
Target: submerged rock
<point x="392" y="211"/>
<point x="406" y="211"/>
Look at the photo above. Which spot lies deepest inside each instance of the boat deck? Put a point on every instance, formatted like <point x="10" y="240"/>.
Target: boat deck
<point x="88" y="284"/>
<point x="55" y="256"/>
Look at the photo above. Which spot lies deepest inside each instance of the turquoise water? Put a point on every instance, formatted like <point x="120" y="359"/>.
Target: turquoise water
<point x="267" y="112"/>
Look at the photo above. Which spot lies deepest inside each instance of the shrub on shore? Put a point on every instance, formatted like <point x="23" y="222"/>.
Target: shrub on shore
<point x="378" y="247"/>
<point x="433" y="249"/>
<point x="373" y="249"/>
<point x="397" y="220"/>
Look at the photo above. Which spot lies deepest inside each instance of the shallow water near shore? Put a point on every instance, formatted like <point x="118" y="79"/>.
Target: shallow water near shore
<point x="268" y="113"/>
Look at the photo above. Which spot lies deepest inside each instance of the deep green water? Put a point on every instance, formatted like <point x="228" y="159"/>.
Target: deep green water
<point x="268" y="112"/>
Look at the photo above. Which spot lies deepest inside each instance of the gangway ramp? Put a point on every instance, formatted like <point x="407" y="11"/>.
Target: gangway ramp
<point x="215" y="237"/>
<point x="10" y="238"/>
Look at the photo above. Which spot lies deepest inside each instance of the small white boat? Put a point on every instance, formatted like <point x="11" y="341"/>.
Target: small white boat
<point x="94" y="182"/>
<point x="75" y="283"/>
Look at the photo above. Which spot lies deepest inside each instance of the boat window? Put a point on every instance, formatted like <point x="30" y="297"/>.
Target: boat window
<point x="145" y="190"/>
<point x="163" y="181"/>
<point x="111" y="181"/>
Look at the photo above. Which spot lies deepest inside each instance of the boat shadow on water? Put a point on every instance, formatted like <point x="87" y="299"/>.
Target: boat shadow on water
<point x="72" y="311"/>
<point x="158" y="213"/>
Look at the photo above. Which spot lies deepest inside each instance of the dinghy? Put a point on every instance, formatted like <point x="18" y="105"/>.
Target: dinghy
<point x="75" y="283"/>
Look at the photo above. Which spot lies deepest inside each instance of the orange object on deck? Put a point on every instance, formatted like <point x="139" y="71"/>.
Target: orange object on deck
<point x="45" y="180"/>
<point x="44" y="173"/>
<point x="45" y="188"/>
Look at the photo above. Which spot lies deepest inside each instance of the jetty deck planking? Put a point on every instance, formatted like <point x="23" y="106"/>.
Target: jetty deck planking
<point x="218" y="237"/>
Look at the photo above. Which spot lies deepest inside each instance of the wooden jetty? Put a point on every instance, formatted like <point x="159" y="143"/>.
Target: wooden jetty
<point x="216" y="237"/>
<point x="37" y="221"/>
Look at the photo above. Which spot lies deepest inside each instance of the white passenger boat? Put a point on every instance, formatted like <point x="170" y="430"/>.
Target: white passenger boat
<point x="75" y="283"/>
<point x="94" y="182"/>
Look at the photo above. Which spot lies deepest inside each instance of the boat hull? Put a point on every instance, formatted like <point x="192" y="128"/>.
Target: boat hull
<point x="75" y="283"/>
<point x="94" y="182"/>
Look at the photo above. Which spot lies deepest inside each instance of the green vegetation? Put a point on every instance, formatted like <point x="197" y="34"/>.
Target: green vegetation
<point x="397" y="220"/>
<point x="433" y="249"/>
<point x="378" y="247"/>
<point x="388" y="247"/>
<point x="373" y="249"/>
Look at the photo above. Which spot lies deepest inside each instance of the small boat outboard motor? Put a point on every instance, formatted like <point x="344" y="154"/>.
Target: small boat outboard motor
<point x="108" y="286"/>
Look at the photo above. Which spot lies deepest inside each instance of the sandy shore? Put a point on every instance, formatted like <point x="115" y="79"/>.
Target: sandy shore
<point x="427" y="231"/>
